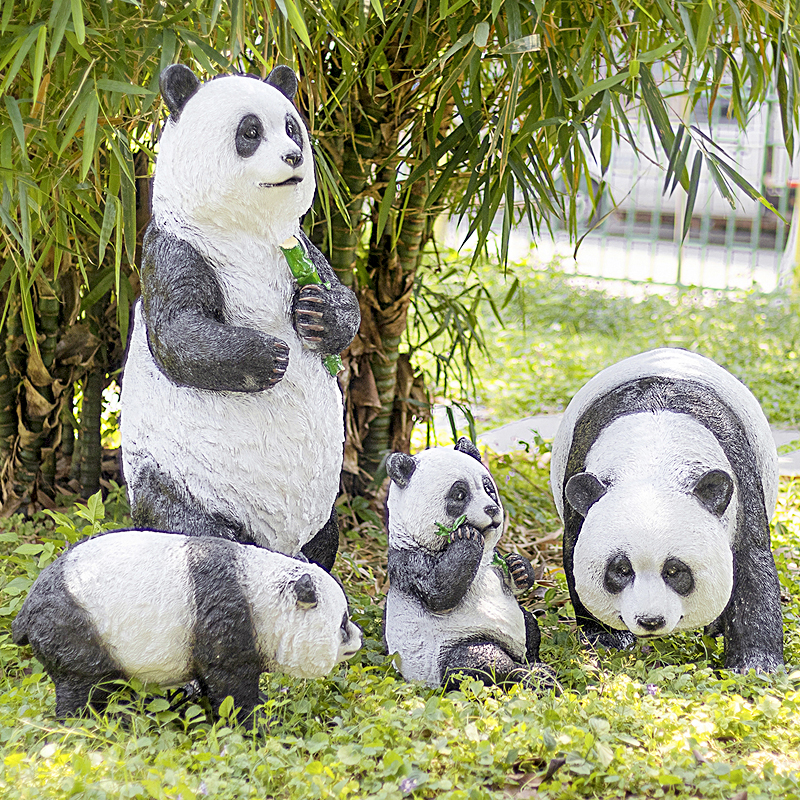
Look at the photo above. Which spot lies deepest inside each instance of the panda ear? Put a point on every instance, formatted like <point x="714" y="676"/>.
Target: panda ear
<point x="177" y="83"/>
<point x="305" y="592"/>
<point x="284" y="80"/>
<point x="714" y="491"/>
<point x="464" y="445"/>
<point x="583" y="490"/>
<point x="400" y="467"/>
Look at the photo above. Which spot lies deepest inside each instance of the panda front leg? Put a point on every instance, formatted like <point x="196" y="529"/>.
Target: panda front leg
<point x="239" y="680"/>
<point x="75" y="693"/>
<point x="326" y="317"/>
<point x="439" y="580"/>
<point x="752" y="622"/>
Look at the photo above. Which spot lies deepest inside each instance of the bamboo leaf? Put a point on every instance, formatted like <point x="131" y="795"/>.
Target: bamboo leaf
<point x="19" y="59"/>
<point x="109" y="218"/>
<point x="386" y="203"/>
<point x="89" y="133"/>
<point x="77" y="21"/>
<point x="107" y="85"/>
<point x="480" y="35"/>
<point x="704" y="28"/>
<point x="101" y="287"/>
<point x="674" y="153"/>
<point x="694" y="184"/>
<point x="655" y="105"/>
<point x="602" y="85"/>
<point x="525" y="44"/>
<point x="38" y="60"/>
<point x="16" y="123"/>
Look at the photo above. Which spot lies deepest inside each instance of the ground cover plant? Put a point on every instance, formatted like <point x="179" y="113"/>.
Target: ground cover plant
<point x="661" y="720"/>
<point x="555" y="332"/>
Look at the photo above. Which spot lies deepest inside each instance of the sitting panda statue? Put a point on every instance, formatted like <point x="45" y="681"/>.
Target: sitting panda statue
<point x="168" y="608"/>
<point x="232" y="425"/>
<point x="450" y="608"/>
<point x="664" y="471"/>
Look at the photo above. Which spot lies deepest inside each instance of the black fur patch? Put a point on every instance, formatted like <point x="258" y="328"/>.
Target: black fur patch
<point x="226" y="661"/>
<point x="752" y="620"/>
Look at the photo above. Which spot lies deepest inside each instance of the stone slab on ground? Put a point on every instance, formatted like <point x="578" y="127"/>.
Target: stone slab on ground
<point x="516" y="435"/>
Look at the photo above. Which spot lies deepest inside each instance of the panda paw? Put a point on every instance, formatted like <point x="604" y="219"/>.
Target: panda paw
<point x="466" y="533"/>
<point x="521" y="571"/>
<point x="280" y="363"/>
<point x="309" y="316"/>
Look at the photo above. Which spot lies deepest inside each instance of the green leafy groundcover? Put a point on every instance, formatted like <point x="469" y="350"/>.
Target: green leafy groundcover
<point x="663" y="720"/>
<point x="558" y="331"/>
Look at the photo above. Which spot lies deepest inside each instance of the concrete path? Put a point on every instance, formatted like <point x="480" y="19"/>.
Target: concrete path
<point x="512" y="436"/>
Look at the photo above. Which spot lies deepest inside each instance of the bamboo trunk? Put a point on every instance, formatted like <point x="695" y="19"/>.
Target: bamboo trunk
<point x="91" y="451"/>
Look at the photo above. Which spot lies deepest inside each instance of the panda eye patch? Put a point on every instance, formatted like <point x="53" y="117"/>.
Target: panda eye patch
<point x="457" y="498"/>
<point x="248" y="135"/>
<point x="619" y="574"/>
<point x="489" y="489"/>
<point x="343" y="626"/>
<point x="293" y="131"/>
<point x="678" y="576"/>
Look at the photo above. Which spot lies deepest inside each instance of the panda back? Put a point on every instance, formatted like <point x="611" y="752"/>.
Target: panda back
<point x="672" y="366"/>
<point x="136" y="589"/>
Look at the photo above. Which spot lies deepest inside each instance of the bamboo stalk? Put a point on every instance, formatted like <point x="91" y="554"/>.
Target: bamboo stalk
<point x="91" y="450"/>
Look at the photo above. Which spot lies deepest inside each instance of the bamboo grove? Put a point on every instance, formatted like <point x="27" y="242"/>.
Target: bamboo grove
<point x="488" y="110"/>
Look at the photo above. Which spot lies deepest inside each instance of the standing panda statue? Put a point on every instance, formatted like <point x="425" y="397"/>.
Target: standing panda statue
<point x="232" y="423"/>
<point x="450" y="608"/>
<point x="168" y="608"/>
<point x="664" y="472"/>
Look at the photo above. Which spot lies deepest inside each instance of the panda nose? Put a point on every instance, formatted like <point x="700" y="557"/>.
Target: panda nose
<point x="492" y="511"/>
<point x="651" y="623"/>
<point x="294" y="159"/>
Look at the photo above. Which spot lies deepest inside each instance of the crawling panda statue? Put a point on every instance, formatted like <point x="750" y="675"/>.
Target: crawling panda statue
<point x="168" y="608"/>
<point x="450" y="608"/>
<point x="664" y="471"/>
<point x="232" y="425"/>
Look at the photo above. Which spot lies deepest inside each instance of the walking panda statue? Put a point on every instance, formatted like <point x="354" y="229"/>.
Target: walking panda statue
<point x="168" y="608"/>
<point x="664" y="471"/>
<point x="232" y="423"/>
<point x="450" y="608"/>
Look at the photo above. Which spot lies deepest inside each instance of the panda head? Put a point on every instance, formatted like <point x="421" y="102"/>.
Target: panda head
<point x="315" y="629"/>
<point x="234" y="155"/>
<point x="440" y="486"/>
<point x="652" y="560"/>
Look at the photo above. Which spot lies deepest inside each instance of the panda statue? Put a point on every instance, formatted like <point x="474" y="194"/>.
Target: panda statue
<point x="168" y="608"/>
<point x="450" y="608"/>
<point x="664" y="472"/>
<point x="232" y="425"/>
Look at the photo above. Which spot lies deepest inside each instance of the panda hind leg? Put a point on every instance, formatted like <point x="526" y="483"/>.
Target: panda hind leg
<point x="322" y="549"/>
<point x="75" y="694"/>
<point x="161" y="503"/>
<point x="486" y="662"/>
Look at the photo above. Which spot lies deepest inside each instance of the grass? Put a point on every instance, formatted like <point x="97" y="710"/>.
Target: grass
<point x="662" y="720"/>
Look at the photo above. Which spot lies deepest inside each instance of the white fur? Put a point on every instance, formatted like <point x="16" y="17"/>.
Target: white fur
<point x="675" y="363"/>
<point x="651" y="462"/>
<point x="487" y="610"/>
<point x="136" y="588"/>
<point x="253" y="456"/>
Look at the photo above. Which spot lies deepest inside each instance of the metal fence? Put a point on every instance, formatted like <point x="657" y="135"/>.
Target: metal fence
<point x="640" y="238"/>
